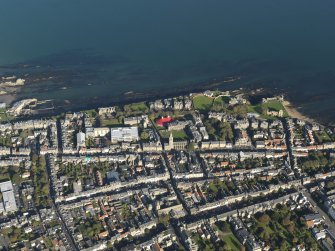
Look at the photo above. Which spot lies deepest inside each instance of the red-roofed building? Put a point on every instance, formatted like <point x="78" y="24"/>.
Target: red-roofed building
<point x="162" y="121"/>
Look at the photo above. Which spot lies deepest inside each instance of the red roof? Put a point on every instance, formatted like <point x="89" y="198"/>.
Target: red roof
<point x="163" y="121"/>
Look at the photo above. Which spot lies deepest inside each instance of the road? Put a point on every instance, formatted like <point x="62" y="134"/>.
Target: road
<point x="69" y="238"/>
<point x="174" y="184"/>
<point x="328" y="221"/>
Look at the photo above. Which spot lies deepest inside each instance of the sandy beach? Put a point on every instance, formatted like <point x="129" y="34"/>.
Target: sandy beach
<point x="294" y="113"/>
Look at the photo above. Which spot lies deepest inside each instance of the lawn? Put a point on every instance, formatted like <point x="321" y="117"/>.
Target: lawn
<point x="110" y="122"/>
<point x="177" y="134"/>
<point x="322" y="137"/>
<point x="226" y="234"/>
<point x="202" y="102"/>
<point x="232" y="242"/>
<point x="255" y="108"/>
<point x="271" y="105"/>
<point x="136" y="107"/>
<point x="4" y="117"/>
<point x="275" y="105"/>
<point x="92" y="113"/>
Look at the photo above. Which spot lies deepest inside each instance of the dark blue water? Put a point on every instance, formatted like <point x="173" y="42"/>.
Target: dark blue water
<point x="102" y="49"/>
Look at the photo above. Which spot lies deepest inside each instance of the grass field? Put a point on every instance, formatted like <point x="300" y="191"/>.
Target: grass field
<point x="4" y="117"/>
<point x="226" y="234"/>
<point x="136" y="107"/>
<point x="232" y="242"/>
<point x="92" y="113"/>
<point x="177" y="134"/>
<point x="271" y="105"/>
<point x="202" y="102"/>
<point x="322" y="137"/>
<point x="110" y="122"/>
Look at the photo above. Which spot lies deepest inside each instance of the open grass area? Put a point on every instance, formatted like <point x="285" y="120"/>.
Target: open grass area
<point x="177" y="134"/>
<point x="263" y="107"/>
<point x="110" y="122"/>
<point x="322" y="137"/>
<point x="225" y="233"/>
<point x="92" y="113"/>
<point x="136" y="107"/>
<point x="202" y="102"/>
<point x="4" y="116"/>
<point x="232" y="242"/>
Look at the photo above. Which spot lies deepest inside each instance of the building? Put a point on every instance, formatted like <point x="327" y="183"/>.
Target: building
<point x="313" y="220"/>
<point x="124" y="134"/>
<point x="81" y="142"/>
<point x="176" y="145"/>
<point x="8" y="203"/>
<point x="204" y="133"/>
<point x="135" y="120"/>
<point x="177" y="125"/>
<point x="101" y="131"/>
<point x="275" y="113"/>
<point x="107" y="110"/>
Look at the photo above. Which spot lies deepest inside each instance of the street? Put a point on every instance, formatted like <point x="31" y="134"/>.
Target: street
<point x="328" y="221"/>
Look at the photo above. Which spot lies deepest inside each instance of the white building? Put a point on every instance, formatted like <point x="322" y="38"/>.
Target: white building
<point x="8" y="203"/>
<point x="124" y="134"/>
<point x="80" y="139"/>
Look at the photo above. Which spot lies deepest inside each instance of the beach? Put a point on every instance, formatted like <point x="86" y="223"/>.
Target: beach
<point x="294" y="113"/>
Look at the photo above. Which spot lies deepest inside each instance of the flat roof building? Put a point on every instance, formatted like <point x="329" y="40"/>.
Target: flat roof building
<point x="8" y="198"/>
<point x="124" y="134"/>
<point x="81" y="138"/>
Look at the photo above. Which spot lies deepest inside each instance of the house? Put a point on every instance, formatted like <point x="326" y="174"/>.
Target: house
<point x="319" y="234"/>
<point x="313" y="220"/>
<point x="187" y="104"/>
<point x="204" y="133"/>
<point x="107" y="110"/>
<point x="260" y="144"/>
<point x="178" y="104"/>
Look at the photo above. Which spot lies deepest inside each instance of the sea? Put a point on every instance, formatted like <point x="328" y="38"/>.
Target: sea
<point x="85" y="52"/>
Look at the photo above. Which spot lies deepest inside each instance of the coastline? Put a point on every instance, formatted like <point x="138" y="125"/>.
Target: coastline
<point x="294" y="113"/>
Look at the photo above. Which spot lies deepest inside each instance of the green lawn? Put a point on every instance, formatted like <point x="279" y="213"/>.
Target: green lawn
<point x="271" y="105"/>
<point x="202" y="102"/>
<point x="232" y="242"/>
<point x="177" y="134"/>
<point x="4" y="117"/>
<point x="92" y="113"/>
<point x="110" y="122"/>
<point x="255" y="108"/>
<point x="136" y="107"/>
<point x="225" y="233"/>
<point x="322" y="137"/>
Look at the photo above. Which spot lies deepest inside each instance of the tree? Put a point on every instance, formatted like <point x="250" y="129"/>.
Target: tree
<point x="225" y="227"/>
<point x="264" y="218"/>
<point x="164" y="219"/>
<point x="144" y="135"/>
<point x="190" y="146"/>
<point x="286" y="221"/>
<point x="240" y="111"/>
